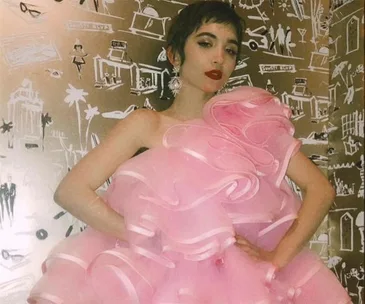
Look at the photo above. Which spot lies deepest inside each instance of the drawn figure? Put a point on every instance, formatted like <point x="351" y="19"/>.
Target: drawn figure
<point x="78" y="54"/>
<point x="343" y="275"/>
<point x="358" y="275"/>
<point x="272" y="45"/>
<point x="270" y="87"/>
<point x="280" y="37"/>
<point x="10" y="194"/>
<point x="288" y="42"/>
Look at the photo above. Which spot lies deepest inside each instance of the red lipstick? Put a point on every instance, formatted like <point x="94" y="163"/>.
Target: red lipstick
<point x="214" y="74"/>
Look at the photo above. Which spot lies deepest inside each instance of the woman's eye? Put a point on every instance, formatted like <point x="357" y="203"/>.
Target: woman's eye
<point x="204" y="44"/>
<point x="232" y="52"/>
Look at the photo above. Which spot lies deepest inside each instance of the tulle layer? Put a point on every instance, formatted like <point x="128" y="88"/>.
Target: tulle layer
<point x="183" y="204"/>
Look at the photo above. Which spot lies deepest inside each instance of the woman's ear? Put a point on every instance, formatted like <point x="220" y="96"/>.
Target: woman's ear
<point x="172" y="56"/>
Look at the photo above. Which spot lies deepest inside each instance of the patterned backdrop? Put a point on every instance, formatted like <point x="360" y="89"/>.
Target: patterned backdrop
<point x="70" y="69"/>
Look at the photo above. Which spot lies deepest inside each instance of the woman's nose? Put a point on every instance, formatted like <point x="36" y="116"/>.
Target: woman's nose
<point x="218" y="56"/>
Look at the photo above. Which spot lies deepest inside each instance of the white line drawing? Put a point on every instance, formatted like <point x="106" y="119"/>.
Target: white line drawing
<point x="348" y="78"/>
<point x="320" y="31"/>
<point x="359" y="223"/>
<point x="332" y="90"/>
<point x="302" y="32"/>
<point x="332" y="262"/>
<point x="72" y="156"/>
<point x="320" y="22"/>
<point x="147" y="104"/>
<point x="74" y="97"/>
<point x="273" y="42"/>
<point x="25" y="111"/>
<point x="315" y="138"/>
<point x="276" y="68"/>
<point x="147" y="23"/>
<point x="89" y="26"/>
<point x="270" y="87"/>
<point x="353" y="124"/>
<point x="252" y="4"/>
<point x="120" y="114"/>
<point x="319" y="60"/>
<point x="20" y="50"/>
<point x="294" y="187"/>
<point x="340" y="15"/>
<point x="241" y="80"/>
<point x="360" y="166"/>
<point x="333" y="47"/>
<point x="173" y="2"/>
<point x="320" y="161"/>
<point x="16" y="290"/>
<point x="144" y="78"/>
<point x="298" y="8"/>
<point x="337" y="71"/>
<point x="351" y="146"/>
<point x="30" y="13"/>
<point x="102" y="7"/>
<point x="302" y="102"/>
<point x="336" y="4"/>
<point x="343" y="189"/>
<point x="347" y="232"/>
<point x="13" y="259"/>
<point x="341" y="166"/>
<point x="54" y="73"/>
<point x="90" y="112"/>
<point x="78" y="56"/>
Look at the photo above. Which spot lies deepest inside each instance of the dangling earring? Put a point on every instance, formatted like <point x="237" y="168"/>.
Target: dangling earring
<point x="175" y="83"/>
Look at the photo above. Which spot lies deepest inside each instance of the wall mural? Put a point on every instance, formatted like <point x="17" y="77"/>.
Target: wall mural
<point x="70" y="69"/>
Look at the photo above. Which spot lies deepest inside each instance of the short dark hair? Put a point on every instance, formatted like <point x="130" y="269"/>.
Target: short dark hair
<point x="192" y="17"/>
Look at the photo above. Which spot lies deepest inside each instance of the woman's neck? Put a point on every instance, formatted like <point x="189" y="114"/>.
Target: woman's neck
<point x="188" y="104"/>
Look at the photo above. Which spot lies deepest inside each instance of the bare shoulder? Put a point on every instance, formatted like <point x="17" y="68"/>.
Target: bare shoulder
<point x="140" y="124"/>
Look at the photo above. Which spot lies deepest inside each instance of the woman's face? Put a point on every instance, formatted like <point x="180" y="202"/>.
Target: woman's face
<point x="212" y="47"/>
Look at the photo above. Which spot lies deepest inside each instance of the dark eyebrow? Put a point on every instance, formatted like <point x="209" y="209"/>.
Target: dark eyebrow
<point x="234" y="41"/>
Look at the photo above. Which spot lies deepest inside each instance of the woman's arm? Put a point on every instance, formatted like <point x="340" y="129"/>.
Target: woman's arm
<point x="76" y="192"/>
<point x="318" y="197"/>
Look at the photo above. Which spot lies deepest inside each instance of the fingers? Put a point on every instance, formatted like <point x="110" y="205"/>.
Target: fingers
<point x="249" y="248"/>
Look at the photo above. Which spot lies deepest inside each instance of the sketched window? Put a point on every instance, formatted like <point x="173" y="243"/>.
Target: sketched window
<point x="348" y="125"/>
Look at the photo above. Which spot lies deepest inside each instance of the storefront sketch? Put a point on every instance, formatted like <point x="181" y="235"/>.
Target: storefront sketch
<point x="113" y="71"/>
<point x="301" y="97"/>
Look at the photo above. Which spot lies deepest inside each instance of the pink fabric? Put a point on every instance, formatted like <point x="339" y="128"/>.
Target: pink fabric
<point x="183" y="203"/>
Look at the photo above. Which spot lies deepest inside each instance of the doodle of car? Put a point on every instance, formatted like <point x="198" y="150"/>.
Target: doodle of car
<point x="257" y="39"/>
<point x="315" y="138"/>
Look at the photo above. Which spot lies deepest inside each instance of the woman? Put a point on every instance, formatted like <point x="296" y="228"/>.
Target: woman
<point x="205" y="215"/>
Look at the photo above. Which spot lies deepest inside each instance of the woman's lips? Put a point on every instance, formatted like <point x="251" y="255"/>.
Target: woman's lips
<point x="214" y="74"/>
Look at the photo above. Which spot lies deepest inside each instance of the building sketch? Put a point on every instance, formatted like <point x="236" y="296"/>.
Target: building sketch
<point x="25" y="109"/>
<point x="117" y="69"/>
<point x="302" y="102"/>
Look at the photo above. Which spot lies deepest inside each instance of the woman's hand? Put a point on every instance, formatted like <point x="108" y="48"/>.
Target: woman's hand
<point x="253" y="251"/>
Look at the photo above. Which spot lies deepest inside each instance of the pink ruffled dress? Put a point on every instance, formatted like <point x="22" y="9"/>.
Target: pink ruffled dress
<point x="183" y="203"/>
